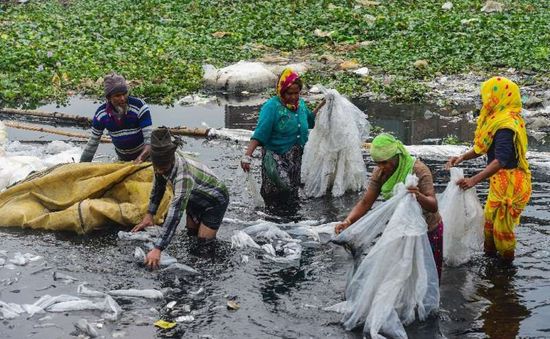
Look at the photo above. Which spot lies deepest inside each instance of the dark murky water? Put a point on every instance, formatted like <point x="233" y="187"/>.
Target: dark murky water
<point x="479" y="300"/>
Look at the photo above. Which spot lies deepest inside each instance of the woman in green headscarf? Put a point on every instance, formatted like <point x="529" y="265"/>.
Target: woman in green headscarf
<point x="394" y="163"/>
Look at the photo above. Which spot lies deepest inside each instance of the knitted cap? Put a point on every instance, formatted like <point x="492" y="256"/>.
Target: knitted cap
<point x="162" y="147"/>
<point x="114" y="83"/>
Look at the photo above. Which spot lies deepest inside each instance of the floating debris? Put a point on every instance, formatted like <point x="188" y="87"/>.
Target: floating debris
<point x="164" y="324"/>
<point x="233" y="305"/>
<point x="185" y="319"/>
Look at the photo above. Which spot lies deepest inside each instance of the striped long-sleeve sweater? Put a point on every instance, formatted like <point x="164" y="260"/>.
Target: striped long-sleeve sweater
<point x="190" y="180"/>
<point x="129" y="134"/>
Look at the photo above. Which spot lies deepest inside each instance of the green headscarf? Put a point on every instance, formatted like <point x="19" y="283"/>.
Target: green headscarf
<point x="384" y="147"/>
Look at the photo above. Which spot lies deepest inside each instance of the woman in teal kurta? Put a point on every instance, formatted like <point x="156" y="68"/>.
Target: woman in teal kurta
<point x="282" y="131"/>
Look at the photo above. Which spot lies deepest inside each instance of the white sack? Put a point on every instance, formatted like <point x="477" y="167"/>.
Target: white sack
<point x="239" y="77"/>
<point x="462" y="221"/>
<point x="333" y="161"/>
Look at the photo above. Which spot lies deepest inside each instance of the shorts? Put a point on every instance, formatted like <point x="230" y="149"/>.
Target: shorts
<point x="210" y="215"/>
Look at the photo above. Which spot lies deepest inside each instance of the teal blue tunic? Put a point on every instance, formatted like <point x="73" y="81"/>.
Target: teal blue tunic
<point x="279" y="128"/>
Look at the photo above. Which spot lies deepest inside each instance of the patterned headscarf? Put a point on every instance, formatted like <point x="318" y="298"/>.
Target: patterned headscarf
<point x="384" y="147"/>
<point x="287" y="78"/>
<point x="501" y="109"/>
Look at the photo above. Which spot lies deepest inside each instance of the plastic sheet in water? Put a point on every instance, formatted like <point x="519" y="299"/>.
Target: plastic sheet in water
<point x="84" y="291"/>
<point x="268" y="231"/>
<point x="268" y="248"/>
<point x="86" y="328"/>
<point x="75" y="305"/>
<point x="462" y="219"/>
<point x="165" y="258"/>
<point x="180" y="269"/>
<point x="333" y="159"/>
<point x="23" y="259"/>
<point x="397" y="279"/>
<point x="149" y="234"/>
<point x="132" y="292"/>
<point x="360" y="235"/>
<point x="292" y="253"/>
<point x="253" y="191"/>
<point x="61" y="303"/>
<point x="240" y="239"/>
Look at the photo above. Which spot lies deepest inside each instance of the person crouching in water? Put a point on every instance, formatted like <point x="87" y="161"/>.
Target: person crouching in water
<point x="196" y="190"/>
<point x="394" y="163"/>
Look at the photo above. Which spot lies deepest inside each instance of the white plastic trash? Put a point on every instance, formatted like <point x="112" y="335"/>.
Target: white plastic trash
<point x="463" y="220"/>
<point x="333" y="160"/>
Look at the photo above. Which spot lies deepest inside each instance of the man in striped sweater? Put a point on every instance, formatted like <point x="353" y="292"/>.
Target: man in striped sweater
<point x="126" y="118"/>
<point x="196" y="190"/>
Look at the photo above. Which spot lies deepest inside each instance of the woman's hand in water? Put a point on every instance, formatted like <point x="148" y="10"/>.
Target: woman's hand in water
<point x="153" y="258"/>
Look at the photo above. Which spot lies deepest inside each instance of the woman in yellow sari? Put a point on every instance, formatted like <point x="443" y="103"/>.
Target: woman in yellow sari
<point x="500" y="134"/>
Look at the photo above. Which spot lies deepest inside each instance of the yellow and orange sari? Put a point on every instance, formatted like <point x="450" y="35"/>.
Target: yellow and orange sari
<point x="509" y="189"/>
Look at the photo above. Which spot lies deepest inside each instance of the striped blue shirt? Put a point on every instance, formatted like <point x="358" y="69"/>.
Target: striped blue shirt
<point x="129" y="133"/>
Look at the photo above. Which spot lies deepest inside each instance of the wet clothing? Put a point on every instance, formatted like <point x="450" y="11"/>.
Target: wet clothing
<point x="510" y="187"/>
<point x="509" y="193"/>
<point x="435" y="237"/>
<point x="196" y="189"/>
<point x="503" y="149"/>
<point x="280" y="128"/>
<point x="129" y="134"/>
<point x="425" y="185"/>
<point x="281" y="174"/>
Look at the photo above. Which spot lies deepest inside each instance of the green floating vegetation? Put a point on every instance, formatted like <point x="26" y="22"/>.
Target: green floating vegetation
<point x="51" y="49"/>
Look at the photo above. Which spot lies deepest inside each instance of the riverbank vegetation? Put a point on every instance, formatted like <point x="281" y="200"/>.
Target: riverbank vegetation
<point x="52" y="49"/>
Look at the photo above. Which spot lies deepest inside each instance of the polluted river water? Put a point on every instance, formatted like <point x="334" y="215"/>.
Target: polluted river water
<point x="481" y="299"/>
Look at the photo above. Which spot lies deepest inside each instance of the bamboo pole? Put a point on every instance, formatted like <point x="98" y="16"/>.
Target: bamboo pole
<point x="82" y="121"/>
<point x="86" y="122"/>
<point x="189" y="131"/>
<point x="71" y="134"/>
